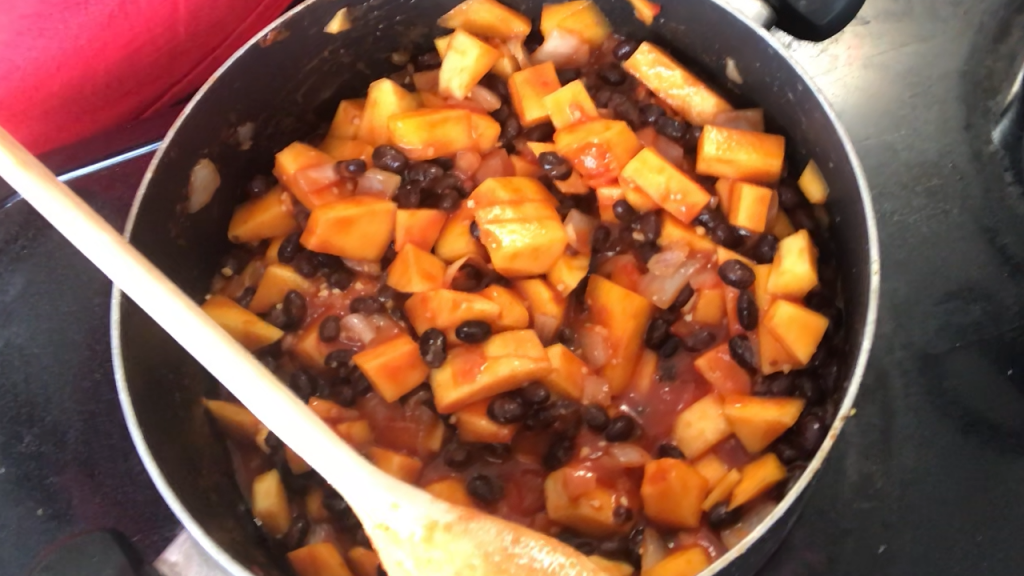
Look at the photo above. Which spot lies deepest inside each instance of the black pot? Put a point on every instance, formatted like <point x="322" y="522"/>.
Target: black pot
<point x="287" y="83"/>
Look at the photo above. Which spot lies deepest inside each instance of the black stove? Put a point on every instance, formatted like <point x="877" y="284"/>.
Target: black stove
<point x="926" y="476"/>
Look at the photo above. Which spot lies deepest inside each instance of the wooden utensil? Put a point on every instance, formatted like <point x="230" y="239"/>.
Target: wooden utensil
<point x="414" y="533"/>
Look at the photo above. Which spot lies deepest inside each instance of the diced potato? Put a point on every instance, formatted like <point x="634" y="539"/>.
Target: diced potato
<point x="514" y="315"/>
<point x="270" y="256"/>
<point x="278" y="280"/>
<point x="360" y="228"/>
<point x="384" y="99"/>
<point x="487" y="18"/>
<point x="455" y="241"/>
<point x="782" y="227"/>
<point x="342" y="150"/>
<point x="415" y="270"/>
<point x="674" y="232"/>
<point x="673" y="190"/>
<point x="813" y="184"/>
<point x="522" y="239"/>
<point x="527" y="89"/>
<point x="265" y="217"/>
<point x="568" y="272"/>
<point x="672" y="492"/>
<point x="320" y="559"/>
<point x="546" y="306"/>
<point x="709" y="308"/>
<point x="296" y="167"/>
<point x="688" y="562"/>
<point x="418" y="227"/>
<point x="451" y="490"/>
<point x="510" y="190"/>
<point x="611" y="567"/>
<point x="797" y="328"/>
<point x="700" y="426"/>
<point x="723" y="488"/>
<point x="592" y="513"/>
<point x="315" y="510"/>
<point x="606" y="198"/>
<point x="757" y="422"/>
<point x="394" y="367"/>
<point x="345" y="125"/>
<point x="432" y="132"/>
<point x="405" y="468"/>
<point x="270" y="503"/>
<point x="722" y="372"/>
<point x="674" y="84"/>
<point x="504" y="362"/>
<point x="570" y="104"/>
<point x="567" y="372"/>
<point x="233" y="419"/>
<point x="524" y="167"/>
<point x="364" y="562"/>
<point x="795" y="267"/>
<point x="474" y="425"/>
<point x="485" y="130"/>
<point x="711" y="467"/>
<point x="574" y="184"/>
<point x="740" y="154"/>
<point x="357" y="433"/>
<point x="757" y="478"/>
<point x="307" y="348"/>
<point x="466" y="60"/>
<point x="445" y="309"/>
<point x="582" y="18"/>
<point x="599" y="149"/>
<point x="639" y="200"/>
<point x="624" y="314"/>
<point x="773" y="356"/>
<point x="751" y="205"/>
<point x="247" y="328"/>
<point x="723" y="187"/>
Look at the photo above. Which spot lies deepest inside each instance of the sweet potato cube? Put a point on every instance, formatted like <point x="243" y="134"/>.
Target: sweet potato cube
<point x="345" y="125"/>
<point x="724" y="255"/>
<point x="582" y="18"/>
<point x="523" y="239"/>
<point x="233" y="419"/>
<point x="782" y="227"/>
<point x="773" y="356"/>
<point x="567" y="372"/>
<point x="451" y="490"/>
<point x="342" y="150"/>
<point x="513" y="315"/>
<point x="673" y="190"/>
<point x="813" y="184"/>
<point x="687" y="562"/>
<point x="474" y="425"/>
<point x="797" y="328"/>
<point x="675" y="233"/>
<point x="546" y="306"/>
<point x="432" y="132"/>
<point x="757" y="478"/>
<point x="570" y="104"/>
<point x="295" y="462"/>
<point x="672" y="491"/>
<point x="356" y="432"/>
<point x="331" y="412"/>
<point x="624" y="314"/>
<point x="750" y="206"/>
<point x="611" y="567"/>
<point x="364" y="562"/>
<point x="314" y="501"/>
<point x="405" y="468"/>
<point x="394" y="367"/>
<point x="711" y="467"/>
<point x="795" y="267"/>
<point x="456" y="241"/>
<point x="504" y="362"/>
<point x="360" y="228"/>
<point x="510" y="190"/>
<point x="278" y="280"/>
<point x="384" y="99"/>
<point x="645" y="10"/>
<point x="247" y="328"/>
<point x="646" y="370"/>
<point x="485" y="131"/>
<point x="700" y="426"/>
<point x="527" y="89"/>
<point x="740" y="154"/>
<point x="415" y="270"/>
<point x="723" y="187"/>
<point x="674" y="84"/>
<point x="599" y="149"/>
<point x="592" y="513"/>
<point x="298" y="167"/>
<point x="265" y="217"/>
<point x="709" y="308"/>
<point x="540" y="147"/>
<point x="722" y="372"/>
<point x="639" y="200"/>
<point x="466" y="60"/>
<point x="270" y="503"/>
<point x="320" y="559"/>
<point x="524" y="167"/>
<point x="487" y="18"/>
<point x="418" y="227"/>
<point x="757" y="421"/>
<point x="568" y="272"/>
<point x="723" y="488"/>
<point x="445" y="309"/>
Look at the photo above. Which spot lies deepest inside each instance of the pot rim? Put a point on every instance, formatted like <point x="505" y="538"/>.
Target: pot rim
<point x="782" y="508"/>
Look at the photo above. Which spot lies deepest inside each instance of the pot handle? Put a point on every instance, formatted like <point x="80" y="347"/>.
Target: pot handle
<point x="814" y="20"/>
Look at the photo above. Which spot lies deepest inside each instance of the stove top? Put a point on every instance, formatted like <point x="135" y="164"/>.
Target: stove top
<point x="925" y="478"/>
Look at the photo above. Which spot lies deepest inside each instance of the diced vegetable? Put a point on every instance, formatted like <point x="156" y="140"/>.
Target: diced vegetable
<point x="394" y="367"/>
<point x="358" y="228"/>
<point x="467" y="59"/>
<point x="723" y="488"/>
<point x="568" y="272"/>
<point x="645" y="10"/>
<point x="513" y="315"/>
<point x="364" y="562"/>
<point x="233" y="419"/>
<point x="474" y="425"/>
<point x="592" y="513"/>
<point x="750" y="206"/>
<point x="748" y="119"/>
<point x="546" y="306"/>
<point x="711" y="467"/>
<point x="782" y="227"/>
<point x="342" y="150"/>
<point x="278" y="280"/>
<point x="598" y="149"/>
<point x="357" y="433"/>
<point x="502" y="191"/>
<point x="455" y="241"/>
<point x="688" y="562"/>
<point x="432" y="132"/>
<point x="345" y="125"/>
<point x="675" y="233"/>
<point x="700" y="426"/>
<point x="265" y="217"/>
<point x="758" y="422"/>
<point x="756" y="479"/>
<point x="487" y="18"/>
<point x="581" y="18"/>
<point x="247" y="328"/>
<point x="709" y="308"/>
<point x="740" y="154"/>
<point x="797" y="328"/>
<point x="567" y="374"/>
<point x="624" y="314"/>
<point x="523" y="238"/>
<point x="527" y="89"/>
<point x="384" y="99"/>
<point x="405" y="468"/>
<point x="419" y="227"/>
<point x="446" y="309"/>
<point x="450" y="490"/>
<point x="795" y="267"/>
<point x="524" y="167"/>
<point x="813" y="184"/>
<point x="569" y="105"/>
<point x="772" y="355"/>
<point x="415" y="270"/>
<point x="485" y="131"/>
<point x="722" y="372"/>
<point x="308" y="173"/>
<point x="673" y="190"/>
<point x="677" y="86"/>
<point x="672" y="492"/>
<point x="270" y="503"/>
<point x="320" y="559"/>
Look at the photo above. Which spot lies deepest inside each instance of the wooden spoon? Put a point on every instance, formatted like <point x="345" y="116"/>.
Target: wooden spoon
<point x="414" y="533"/>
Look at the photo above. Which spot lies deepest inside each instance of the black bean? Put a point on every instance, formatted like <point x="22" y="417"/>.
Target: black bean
<point x="422" y="171"/>
<point x="779" y="384"/>
<point x="428" y="61"/>
<point x="612" y="74"/>
<point x="624" y="212"/>
<point x="330" y="328"/>
<point x="259" y="185"/>
<point x="650" y="226"/>
<point x="341" y="278"/>
<point x="502" y="113"/>
<point x="709" y="217"/>
<point x="670" y="348"/>
<point x="582" y="544"/>
<point x="484" y="488"/>
<point x="669" y="450"/>
<point x="613" y="547"/>
<point x="746" y="310"/>
<point x="245" y="298"/>
<point x="763" y="251"/>
<point x="352" y="168"/>
<point x="495" y="84"/>
<point x="535" y="394"/>
<point x="446" y="163"/>
<point x="295" y="307"/>
<point x="601" y="240"/>
<point x="278" y="318"/>
<point x="302" y="383"/>
<point x="624" y="49"/>
<point x="666" y="371"/>
<point x="473" y="331"/>
<point x="805" y="386"/>
<point x="360" y="384"/>
<point x="511" y="128"/>
<point x="556" y="167"/>
<point x="829" y="378"/>
<point x="567" y="75"/>
<point x="595" y="417"/>
<point x="645" y="251"/>
<point x="691" y="137"/>
<point x="650" y="113"/>
<point x="540" y="133"/>
<point x="338" y="358"/>
<point x="699" y="340"/>
<point x="567" y="416"/>
<point x="389" y="256"/>
<point x="566" y="336"/>
<point x="669" y="127"/>
<point x="289" y="248"/>
<point x="742" y="351"/>
<point x="344" y="395"/>
<point x="304" y="265"/>
<point x="540" y="418"/>
<point x="448" y="199"/>
<point x="790" y="197"/>
<point x="602" y="96"/>
<point x="620" y="429"/>
<point x="684" y="297"/>
<point x="496" y="452"/>
<point x="432" y="347"/>
<point x="625" y="109"/>
<point x="657" y="333"/>
<point x="736" y="274"/>
<point x="559" y="452"/>
<point x="458" y="456"/>
<point x="337" y="507"/>
<point x="809" y="432"/>
<point x="622" y="515"/>
<point x="787" y="451"/>
<point x="506" y="409"/>
<point x="726" y="235"/>
<point x="474" y="230"/>
<point x="389" y="158"/>
<point x="365" y="305"/>
<point x="720" y="517"/>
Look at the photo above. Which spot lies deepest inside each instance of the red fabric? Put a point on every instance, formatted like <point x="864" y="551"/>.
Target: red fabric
<point x="72" y="68"/>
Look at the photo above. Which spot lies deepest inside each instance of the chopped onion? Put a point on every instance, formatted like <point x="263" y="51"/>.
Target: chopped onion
<point x="545" y="327"/>
<point x="365" y="266"/>
<point x="485" y="98"/>
<point x="453" y="270"/>
<point x="751" y="119"/>
<point x="662" y="288"/>
<point x="594" y="341"/>
<point x="317" y="177"/>
<point x="321" y="532"/>
<point x="358" y="327"/>
<point x="652" y="550"/>
<point x="244" y="134"/>
<point x="596" y="391"/>
<point x="580" y="229"/>
<point x="519" y="53"/>
<point x="732" y="72"/>
<point x="753" y="517"/>
<point x="202" y="183"/>
<point x="380" y="183"/>
<point x="668" y="262"/>
<point x="563" y="49"/>
<point x="647" y="136"/>
<point x="495" y="164"/>
<point x="669" y="150"/>
<point x="628" y="455"/>
<point x="466" y="163"/>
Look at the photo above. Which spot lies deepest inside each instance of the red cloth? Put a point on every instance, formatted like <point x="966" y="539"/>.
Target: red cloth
<point x="72" y="68"/>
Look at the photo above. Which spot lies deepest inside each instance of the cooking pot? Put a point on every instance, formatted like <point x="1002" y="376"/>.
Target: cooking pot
<point x="285" y="84"/>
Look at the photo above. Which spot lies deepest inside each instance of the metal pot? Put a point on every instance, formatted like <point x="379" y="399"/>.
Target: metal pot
<point x="287" y="82"/>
